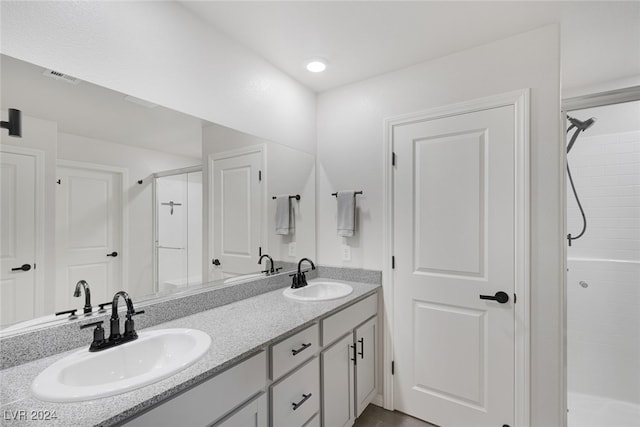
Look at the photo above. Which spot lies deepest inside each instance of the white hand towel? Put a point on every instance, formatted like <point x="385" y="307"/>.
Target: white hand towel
<point x="346" y="213"/>
<point x="283" y="215"/>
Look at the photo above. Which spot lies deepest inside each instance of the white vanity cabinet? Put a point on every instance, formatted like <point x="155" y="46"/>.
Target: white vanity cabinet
<point x="349" y="380"/>
<point x="209" y="401"/>
<point x="253" y="414"/>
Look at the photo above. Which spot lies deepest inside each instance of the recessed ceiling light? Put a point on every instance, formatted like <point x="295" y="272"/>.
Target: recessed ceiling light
<point x="316" y="65"/>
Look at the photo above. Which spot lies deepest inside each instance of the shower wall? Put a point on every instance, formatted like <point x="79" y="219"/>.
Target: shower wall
<point x="603" y="278"/>
<point x="179" y="230"/>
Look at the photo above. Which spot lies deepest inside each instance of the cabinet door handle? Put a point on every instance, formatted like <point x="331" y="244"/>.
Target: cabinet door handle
<point x="355" y="359"/>
<point x="304" y="399"/>
<point x="301" y="349"/>
<point x="361" y="353"/>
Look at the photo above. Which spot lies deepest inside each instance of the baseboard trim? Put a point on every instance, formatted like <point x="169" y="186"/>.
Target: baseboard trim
<point x="378" y="400"/>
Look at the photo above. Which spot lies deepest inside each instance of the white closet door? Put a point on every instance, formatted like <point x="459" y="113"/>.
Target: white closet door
<point x="454" y="190"/>
<point x="237" y="213"/>
<point x="88" y="234"/>
<point x="18" y="238"/>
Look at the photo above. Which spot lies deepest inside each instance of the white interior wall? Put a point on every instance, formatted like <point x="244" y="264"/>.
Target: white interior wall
<point x="140" y="163"/>
<point x="350" y="156"/>
<point x="603" y="314"/>
<point x="161" y="52"/>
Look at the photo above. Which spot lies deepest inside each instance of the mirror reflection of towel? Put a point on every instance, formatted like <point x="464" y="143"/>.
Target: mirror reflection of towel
<point x="284" y="215"/>
<point x="346" y="213"/>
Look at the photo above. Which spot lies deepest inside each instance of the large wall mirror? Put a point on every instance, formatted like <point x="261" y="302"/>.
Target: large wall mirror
<point x="128" y="195"/>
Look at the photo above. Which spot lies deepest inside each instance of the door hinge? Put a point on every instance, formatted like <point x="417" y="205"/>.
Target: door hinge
<point x="393" y="367"/>
<point x="393" y="262"/>
<point x="515" y="298"/>
<point x="259" y="251"/>
<point x="393" y="158"/>
<point x="259" y="175"/>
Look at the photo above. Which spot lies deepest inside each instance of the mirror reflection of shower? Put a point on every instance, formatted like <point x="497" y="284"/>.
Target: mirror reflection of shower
<point x="177" y="228"/>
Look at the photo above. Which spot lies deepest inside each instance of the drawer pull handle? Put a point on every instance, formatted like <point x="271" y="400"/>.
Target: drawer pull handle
<point x="304" y="399"/>
<point x="301" y="349"/>
<point x="361" y="352"/>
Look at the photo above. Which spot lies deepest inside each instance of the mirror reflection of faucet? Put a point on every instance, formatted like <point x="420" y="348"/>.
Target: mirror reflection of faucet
<point x="83" y="285"/>
<point x="299" y="278"/>
<point x="271" y="269"/>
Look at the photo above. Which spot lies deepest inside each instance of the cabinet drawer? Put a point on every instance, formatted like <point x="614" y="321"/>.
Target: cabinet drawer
<point x="335" y="326"/>
<point x="212" y="399"/>
<point x="293" y="351"/>
<point x="302" y="388"/>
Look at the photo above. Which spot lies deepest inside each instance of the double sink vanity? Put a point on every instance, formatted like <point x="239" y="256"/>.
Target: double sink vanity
<point x="285" y="358"/>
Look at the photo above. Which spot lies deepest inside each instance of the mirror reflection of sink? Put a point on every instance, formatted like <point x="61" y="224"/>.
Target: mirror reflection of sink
<point x="242" y="277"/>
<point x="319" y="290"/>
<point x="155" y="355"/>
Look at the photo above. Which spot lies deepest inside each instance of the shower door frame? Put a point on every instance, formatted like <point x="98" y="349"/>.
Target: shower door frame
<point x="592" y="100"/>
<point x="154" y="200"/>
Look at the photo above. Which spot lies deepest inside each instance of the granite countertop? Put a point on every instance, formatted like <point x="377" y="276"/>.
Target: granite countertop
<point x="237" y="331"/>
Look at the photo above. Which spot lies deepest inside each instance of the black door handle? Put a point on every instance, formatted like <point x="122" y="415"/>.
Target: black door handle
<point x="23" y="267"/>
<point x="501" y="297"/>
<point x="216" y="261"/>
<point x="361" y="352"/>
<point x="113" y="254"/>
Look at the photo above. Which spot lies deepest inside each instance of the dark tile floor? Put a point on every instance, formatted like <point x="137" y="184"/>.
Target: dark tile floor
<point x="375" y="416"/>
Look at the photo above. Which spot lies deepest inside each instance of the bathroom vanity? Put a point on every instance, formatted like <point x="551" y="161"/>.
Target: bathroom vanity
<point x="273" y="361"/>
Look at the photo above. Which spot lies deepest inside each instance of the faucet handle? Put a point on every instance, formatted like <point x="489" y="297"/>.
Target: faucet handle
<point x="71" y="316"/>
<point x="98" y="335"/>
<point x="277" y="269"/>
<point x="103" y="304"/>
<point x="129" y="325"/>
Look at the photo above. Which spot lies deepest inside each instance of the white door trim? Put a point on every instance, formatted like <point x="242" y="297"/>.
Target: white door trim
<point x="520" y="100"/>
<point x="41" y="307"/>
<point x="124" y="180"/>
<point x="258" y="148"/>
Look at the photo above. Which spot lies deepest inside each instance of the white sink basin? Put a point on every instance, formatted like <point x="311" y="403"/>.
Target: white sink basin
<point x="319" y="291"/>
<point x="155" y="355"/>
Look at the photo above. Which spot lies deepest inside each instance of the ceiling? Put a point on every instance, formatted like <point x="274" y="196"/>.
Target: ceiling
<point x="97" y="112"/>
<point x="361" y="39"/>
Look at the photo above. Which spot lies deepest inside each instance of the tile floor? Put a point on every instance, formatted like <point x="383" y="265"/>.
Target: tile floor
<point x="375" y="416"/>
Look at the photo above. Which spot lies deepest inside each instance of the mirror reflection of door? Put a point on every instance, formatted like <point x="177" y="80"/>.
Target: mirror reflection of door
<point x="88" y="233"/>
<point x="18" y="243"/>
<point x="237" y="213"/>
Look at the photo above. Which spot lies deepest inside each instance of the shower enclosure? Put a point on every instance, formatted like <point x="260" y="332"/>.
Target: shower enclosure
<point x="603" y="270"/>
<point x="177" y="228"/>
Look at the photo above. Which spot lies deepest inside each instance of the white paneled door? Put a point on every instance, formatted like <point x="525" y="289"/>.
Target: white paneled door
<point x="88" y="234"/>
<point x="454" y="191"/>
<point x="237" y="213"/>
<point x="17" y="237"/>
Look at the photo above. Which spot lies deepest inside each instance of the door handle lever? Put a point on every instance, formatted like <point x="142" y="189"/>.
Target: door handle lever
<point x="113" y="254"/>
<point x="501" y="297"/>
<point x="23" y="267"/>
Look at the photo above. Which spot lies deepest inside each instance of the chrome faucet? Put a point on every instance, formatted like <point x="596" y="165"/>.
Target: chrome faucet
<point x="299" y="278"/>
<point x="271" y="270"/>
<point x="115" y="337"/>
<point x="87" y="295"/>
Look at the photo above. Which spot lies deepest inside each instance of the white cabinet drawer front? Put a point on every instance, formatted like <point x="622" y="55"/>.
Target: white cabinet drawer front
<point x="335" y="326"/>
<point x="207" y="402"/>
<point x="293" y="351"/>
<point x="302" y="388"/>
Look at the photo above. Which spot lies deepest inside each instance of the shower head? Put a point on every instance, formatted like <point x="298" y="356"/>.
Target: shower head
<point x="581" y="125"/>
